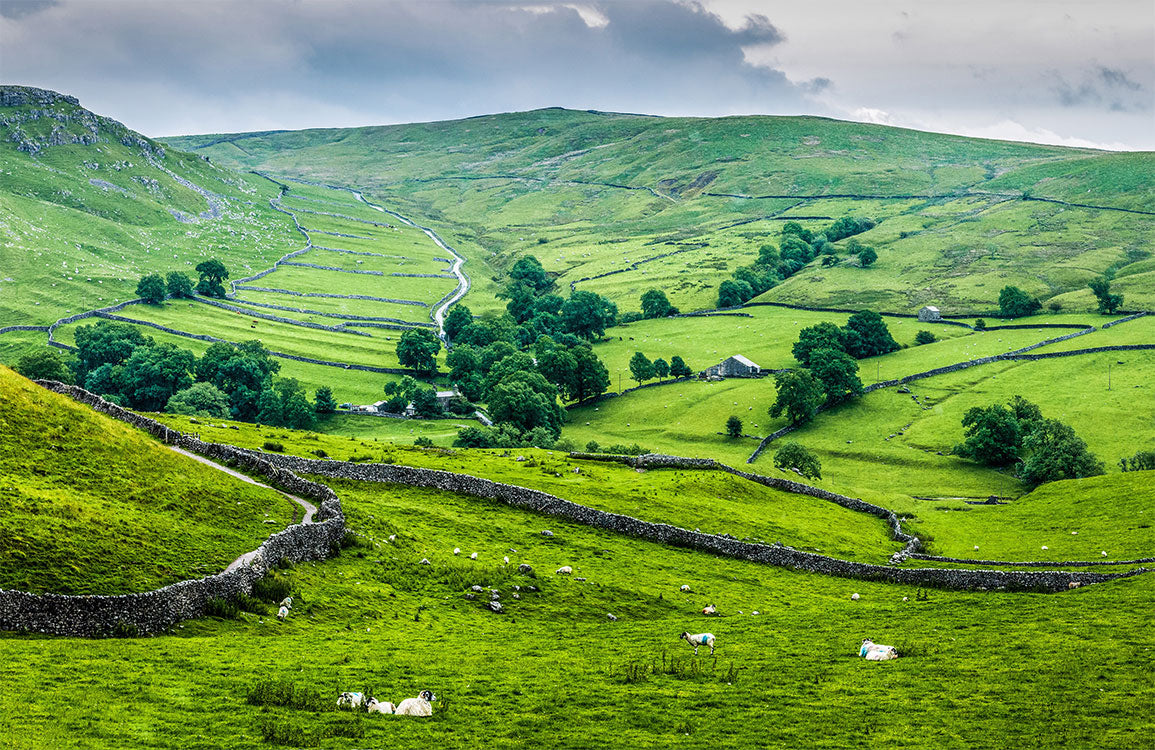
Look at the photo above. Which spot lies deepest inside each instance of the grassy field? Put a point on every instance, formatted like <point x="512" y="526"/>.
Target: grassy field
<point x="94" y="506"/>
<point x="375" y="617"/>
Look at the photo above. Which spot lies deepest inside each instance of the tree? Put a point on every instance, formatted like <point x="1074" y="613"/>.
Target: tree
<point x="1141" y="461"/>
<point x="734" y="427"/>
<point x="151" y="289"/>
<point x="1108" y="303"/>
<point x="425" y="403"/>
<point x="799" y="396"/>
<point x="838" y="372"/>
<point x="655" y="304"/>
<point x="1015" y="303"/>
<point x="993" y="436"/>
<point x="924" y="337"/>
<point x="980" y="324"/>
<point x="179" y="285"/>
<point x="661" y="368"/>
<point x="824" y="335"/>
<point x="678" y="368"/>
<point x="734" y="293"/>
<point x="44" y="364"/>
<point x="269" y="408"/>
<point x="847" y="226"/>
<point x="212" y="275"/>
<point x="1055" y="452"/>
<point x="153" y="374"/>
<point x="641" y="368"/>
<point x="418" y="349"/>
<point x="867" y="256"/>
<point x="323" y="402"/>
<point x="592" y="378"/>
<point x="242" y="371"/>
<point x="866" y="335"/>
<point x="105" y="343"/>
<point x="200" y="400"/>
<point x="588" y="315"/>
<point x="457" y="319"/>
<point x="795" y="456"/>
<point x="517" y="403"/>
<point x="528" y="270"/>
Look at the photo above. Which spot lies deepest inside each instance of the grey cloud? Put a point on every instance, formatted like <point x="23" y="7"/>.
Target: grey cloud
<point x="1103" y="87"/>
<point x="22" y="8"/>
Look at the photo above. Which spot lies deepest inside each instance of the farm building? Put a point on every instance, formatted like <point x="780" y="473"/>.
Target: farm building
<point x="733" y="367"/>
<point x="929" y="314"/>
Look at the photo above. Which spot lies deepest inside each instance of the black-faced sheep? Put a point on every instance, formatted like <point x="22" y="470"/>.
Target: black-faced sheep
<point x="419" y="706"/>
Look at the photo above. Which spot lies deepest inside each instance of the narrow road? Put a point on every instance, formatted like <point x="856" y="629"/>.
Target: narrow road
<point x="438" y="314"/>
<point x="247" y="558"/>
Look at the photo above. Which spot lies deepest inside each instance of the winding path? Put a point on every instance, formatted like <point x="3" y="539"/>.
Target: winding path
<point x="245" y="559"/>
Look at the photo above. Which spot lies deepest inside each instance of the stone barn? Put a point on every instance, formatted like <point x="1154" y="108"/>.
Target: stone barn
<point x="734" y="367"/>
<point x="929" y="314"/>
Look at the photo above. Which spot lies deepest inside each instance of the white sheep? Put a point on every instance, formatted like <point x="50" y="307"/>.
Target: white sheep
<point x="1074" y="585"/>
<point x="378" y="707"/>
<point x="699" y="639"/>
<point x="709" y="609"/>
<point x="855" y="596"/>
<point x="876" y="651"/>
<point x="505" y="559"/>
<point x="282" y="613"/>
<point x="457" y="550"/>
<point x="419" y="706"/>
<point x="350" y="700"/>
<point x="564" y="570"/>
<point x="685" y="588"/>
<point x="473" y="556"/>
<point x="392" y="537"/>
<point x="286" y="602"/>
<point x="1103" y="553"/>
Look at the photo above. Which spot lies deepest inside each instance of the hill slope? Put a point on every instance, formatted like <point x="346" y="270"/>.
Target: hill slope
<point x="594" y="193"/>
<point x="92" y="506"/>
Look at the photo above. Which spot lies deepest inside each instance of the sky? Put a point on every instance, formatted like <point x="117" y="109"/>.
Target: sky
<point x="1047" y="71"/>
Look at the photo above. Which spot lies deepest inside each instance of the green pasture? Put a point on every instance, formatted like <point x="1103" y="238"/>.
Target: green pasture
<point x="362" y="307"/>
<point x="387" y="265"/>
<point x="93" y="506"/>
<point x="300" y="279"/>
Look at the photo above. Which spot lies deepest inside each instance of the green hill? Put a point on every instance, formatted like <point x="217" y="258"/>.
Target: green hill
<point x="93" y="506"/>
<point x="591" y="193"/>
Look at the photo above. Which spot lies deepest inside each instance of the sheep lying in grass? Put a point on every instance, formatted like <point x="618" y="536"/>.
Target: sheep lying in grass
<point x="699" y="639"/>
<point x="685" y="587"/>
<point x="378" y="707"/>
<point x="876" y="651"/>
<point x="350" y="700"/>
<point x="709" y="609"/>
<point x="419" y="706"/>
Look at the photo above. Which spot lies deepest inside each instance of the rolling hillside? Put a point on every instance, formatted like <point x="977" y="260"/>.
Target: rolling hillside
<point x="603" y="198"/>
<point x="92" y="506"/>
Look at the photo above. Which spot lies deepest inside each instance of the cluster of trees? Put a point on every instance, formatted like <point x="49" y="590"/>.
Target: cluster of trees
<point x="1017" y="433"/>
<point x="1108" y="303"/>
<point x="1015" y="303"/>
<point x="797" y="247"/>
<point x="829" y="373"/>
<point x="1141" y="461"/>
<point x="153" y="288"/>
<point x="656" y="305"/>
<point x="423" y="398"/>
<point x="642" y="369"/>
<point x="119" y="363"/>
<point x="794" y="456"/>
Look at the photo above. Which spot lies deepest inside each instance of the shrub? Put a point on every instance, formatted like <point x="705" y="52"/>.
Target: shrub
<point x="273" y="445"/>
<point x="320" y="453"/>
<point x="124" y="629"/>
<point x="734" y="427"/>
<point x="270" y="692"/>
<point x="423" y="442"/>
<point x="1141" y="461"/>
<point x="272" y="588"/>
<point x="222" y="608"/>
<point x="980" y="324"/>
<point x="924" y="337"/>
<point x="593" y="447"/>
<point x="1015" y="303"/>
<point x="796" y="456"/>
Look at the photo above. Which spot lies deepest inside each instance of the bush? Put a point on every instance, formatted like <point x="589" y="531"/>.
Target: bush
<point x="222" y="608"/>
<point x="796" y="456"/>
<point x="124" y="629"/>
<point x="423" y="442"/>
<point x="273" y="445"/>
<point x="980" y="324"/>
<point x="1141" y="461"/>
<point x="734" y="427"/>
<point x="924" y="337"/>
<point x="593" y="447"/>
<point x="270" y="692"/>
<point x="1015" y="303"/>
<point x="272" y="588"/>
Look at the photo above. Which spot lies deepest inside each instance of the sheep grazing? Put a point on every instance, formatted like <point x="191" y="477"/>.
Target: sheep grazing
<point x="609" y="615"/>
<point x="392" y="537"/>
<point x="350" y="700"/>
<point x="699" y="639"/>
<point x="282" y="613"/>
<point x="1074" y="585"/>
<point x="564" y="570"/>
<point x="419" y="706"/>
<point x="457" y="550"/>
<point x="286" y="602"/>
<point x="1103" y="553"/>
<point x="473" y="556"/>
<point x="505" y="559"/>
<point x="709" y="609"/>
<point x="855" y="596"/>
<point x="685" y="588"/>
<point x="872" y="651"/>
<point x="377" y="707"/>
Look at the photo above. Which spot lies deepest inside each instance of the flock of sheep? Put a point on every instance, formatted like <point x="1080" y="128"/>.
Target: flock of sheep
<point x="422" y="705"/>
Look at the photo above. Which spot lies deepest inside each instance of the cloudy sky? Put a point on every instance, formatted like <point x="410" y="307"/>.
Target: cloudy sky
<point x="1053" y="71"/>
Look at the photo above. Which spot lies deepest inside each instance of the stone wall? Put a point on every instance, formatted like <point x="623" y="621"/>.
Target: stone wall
<point x="275" y="318"/>
<point x="727" y="546"/>
<point x="293" y="293"/>
<point x="1124" y="320"/>
<point x="1034" y="563"/>
<point x="154" y="611"/>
